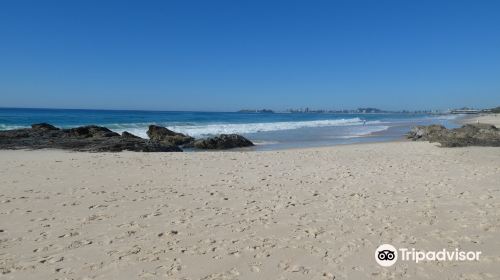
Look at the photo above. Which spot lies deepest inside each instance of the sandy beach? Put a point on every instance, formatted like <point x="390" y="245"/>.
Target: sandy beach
<point x="315" y="213"/>
<point x="249" y="140"/>
<point x="493" y="119"/>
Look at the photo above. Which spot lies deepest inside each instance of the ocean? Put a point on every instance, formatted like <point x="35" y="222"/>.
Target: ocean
<point x="268" y="130"/>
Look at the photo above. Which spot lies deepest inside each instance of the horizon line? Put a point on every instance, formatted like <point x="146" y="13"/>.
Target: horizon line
<point x="224" y="111"/>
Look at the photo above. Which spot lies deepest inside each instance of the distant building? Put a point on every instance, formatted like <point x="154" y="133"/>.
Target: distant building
<point x="369" y="110"/>
<point x="465" y="111"/>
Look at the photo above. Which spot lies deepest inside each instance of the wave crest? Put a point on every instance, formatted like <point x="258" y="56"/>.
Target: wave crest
<point x="239" y="128"/>
<point x="203" y="130"/>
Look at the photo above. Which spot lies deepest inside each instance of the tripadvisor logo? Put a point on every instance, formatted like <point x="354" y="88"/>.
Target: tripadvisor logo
<point x="387" y="255"/>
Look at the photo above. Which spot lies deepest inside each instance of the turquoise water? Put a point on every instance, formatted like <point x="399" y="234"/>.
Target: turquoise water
<point x="268" y="130"/>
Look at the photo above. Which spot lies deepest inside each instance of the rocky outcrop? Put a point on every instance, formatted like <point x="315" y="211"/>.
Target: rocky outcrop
<point x="86" y="138"/>
<point x="164" y="135"/>
<point x="467" y="135"/>
<point x="43" y="126"/>
<point x="90" y="131"/>
<point x="426" y="133"/>
<point x="127" y="134"/>
<point x="222" y="142"/>
<point x="94" y="138"/>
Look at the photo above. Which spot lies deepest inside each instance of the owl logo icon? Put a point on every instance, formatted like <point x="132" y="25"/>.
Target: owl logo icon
<point x="386" y="255"/>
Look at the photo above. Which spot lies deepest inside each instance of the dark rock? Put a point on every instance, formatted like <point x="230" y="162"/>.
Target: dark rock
<point x="426" y="133"/>
<point x="85" y="138"/>
<point x="167" y="136"/>
<point x="43" y="126"/>
<point x="223" y="141"/>
<point x="467" y="135"/>
<point x="158" y="133"/>
<point x="127" y="134"/>
<point x="90" y="131"/>
<point x="118" y="144"/>
<point x="15" y="133"/>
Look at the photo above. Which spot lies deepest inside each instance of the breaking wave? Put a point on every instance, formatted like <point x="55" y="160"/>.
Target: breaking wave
<point x="200" y="130"/>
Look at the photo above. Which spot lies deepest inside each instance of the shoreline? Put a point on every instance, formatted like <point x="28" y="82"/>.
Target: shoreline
<point x="276" y="131"/>
<point x="394" y="133"/>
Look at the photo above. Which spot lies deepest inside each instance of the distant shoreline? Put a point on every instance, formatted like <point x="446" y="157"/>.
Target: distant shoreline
<point x="264" y="111"/>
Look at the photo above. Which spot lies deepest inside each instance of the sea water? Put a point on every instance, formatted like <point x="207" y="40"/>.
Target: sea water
<point x="267" y="130"/>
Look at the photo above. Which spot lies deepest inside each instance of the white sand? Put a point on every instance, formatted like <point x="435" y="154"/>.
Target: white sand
<point x="297" y="214"/>
<point x="493" y="119"/>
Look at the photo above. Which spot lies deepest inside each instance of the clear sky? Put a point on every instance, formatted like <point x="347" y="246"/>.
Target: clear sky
<point x="229" y="55"/>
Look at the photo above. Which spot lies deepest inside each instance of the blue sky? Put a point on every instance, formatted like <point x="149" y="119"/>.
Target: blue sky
<point x="228" y="55"/>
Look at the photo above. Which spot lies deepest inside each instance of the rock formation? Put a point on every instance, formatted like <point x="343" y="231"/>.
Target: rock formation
<point x="85" y="138"/>
<point x="223" y="141"/>
<point x="94" y="138"/>
<point x="167" y="136"/>
<point x="467" y="135"/>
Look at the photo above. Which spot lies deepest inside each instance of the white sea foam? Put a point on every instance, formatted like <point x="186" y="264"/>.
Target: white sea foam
<point x="447" y="117"/>
<point x="203" y="130"/>
<point x="260" y="142"/>
<point x="9" y="127"/>
<point x="211" y="129"/>
<point x="240" y="128"/>
<point x="364" y="131"/>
